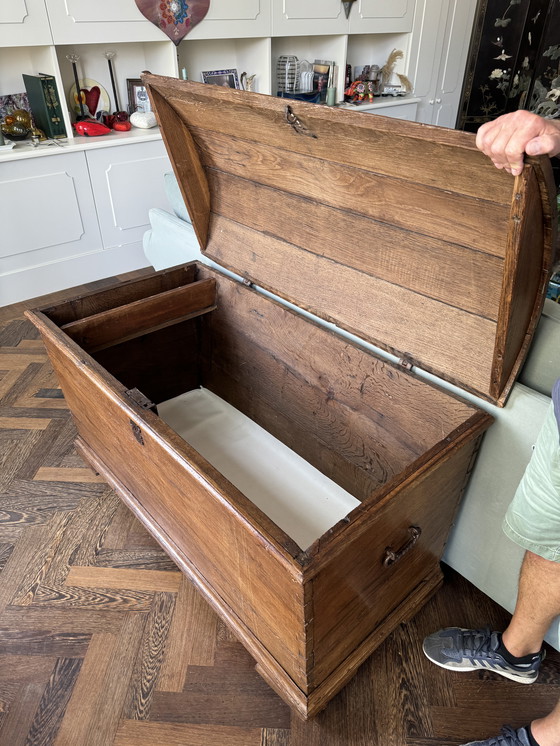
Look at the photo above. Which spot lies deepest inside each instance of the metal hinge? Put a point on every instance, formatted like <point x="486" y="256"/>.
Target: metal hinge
<point x="142" y="401"/>
<point x="406" y="363"/>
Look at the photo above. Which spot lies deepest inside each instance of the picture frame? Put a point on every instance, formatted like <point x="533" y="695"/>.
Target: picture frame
<point x="226" y="78"/>
<point x="322" y="77"/>
<point x="138" y="99"/>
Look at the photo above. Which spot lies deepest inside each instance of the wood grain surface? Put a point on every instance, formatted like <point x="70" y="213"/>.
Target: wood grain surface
<point x="403" y="234"/>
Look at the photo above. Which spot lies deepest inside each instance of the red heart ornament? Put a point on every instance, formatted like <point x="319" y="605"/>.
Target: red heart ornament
<point x="174" y="17"/>
<point x="91" y="97"/>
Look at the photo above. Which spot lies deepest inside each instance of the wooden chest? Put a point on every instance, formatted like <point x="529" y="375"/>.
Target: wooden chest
<point x="304" y="483"/>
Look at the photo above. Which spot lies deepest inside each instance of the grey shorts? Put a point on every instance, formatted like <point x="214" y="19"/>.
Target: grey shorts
<point x="533" y="518"/>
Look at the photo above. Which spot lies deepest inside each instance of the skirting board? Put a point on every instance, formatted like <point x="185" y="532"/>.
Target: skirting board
<point x="49" y="278"/>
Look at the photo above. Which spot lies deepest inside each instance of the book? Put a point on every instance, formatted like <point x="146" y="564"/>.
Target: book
<point x="45" y="106"/>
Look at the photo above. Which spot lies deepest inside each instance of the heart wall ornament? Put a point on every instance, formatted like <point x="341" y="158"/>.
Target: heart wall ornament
<point x="174" y="17"/>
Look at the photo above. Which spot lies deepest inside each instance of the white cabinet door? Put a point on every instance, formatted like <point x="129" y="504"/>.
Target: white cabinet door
<point x="48" y="212"/>
<point x="439" y="49"/>
<point x="381" y="17"/>
<point x="239" y="19"/>
<point x="402" y="111"/>
<point x="425" y="54"/>
<point x="308" y="17"/>
<point x="24" y="23"/>
<point x="127" y="181"/>
<point x="87" y="22"/>
<point x="453" y="62"/>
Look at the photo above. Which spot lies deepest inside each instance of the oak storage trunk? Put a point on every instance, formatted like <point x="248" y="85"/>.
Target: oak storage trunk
<point x="305" y="484"/>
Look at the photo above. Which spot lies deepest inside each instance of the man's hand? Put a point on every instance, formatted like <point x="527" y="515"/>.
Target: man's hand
<point x="508" y="137"/>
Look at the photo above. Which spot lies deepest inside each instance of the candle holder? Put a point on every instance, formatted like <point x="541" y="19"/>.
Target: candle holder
<point x="73" y="58"/>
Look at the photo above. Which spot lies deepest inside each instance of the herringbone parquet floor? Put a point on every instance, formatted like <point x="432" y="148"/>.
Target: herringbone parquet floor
<point x="104" y="643"/>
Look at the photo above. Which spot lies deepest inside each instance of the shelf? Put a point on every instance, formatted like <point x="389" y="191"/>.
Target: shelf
<point x="383" y="103"/>
<point x="24" y="148"/>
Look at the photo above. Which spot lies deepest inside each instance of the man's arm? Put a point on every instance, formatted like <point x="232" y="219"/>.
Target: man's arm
<point x="508" y="137"/>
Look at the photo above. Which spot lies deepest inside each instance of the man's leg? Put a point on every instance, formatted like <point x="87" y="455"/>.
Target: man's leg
<point x="546" y="731"/>
<point x="538" y="603"/>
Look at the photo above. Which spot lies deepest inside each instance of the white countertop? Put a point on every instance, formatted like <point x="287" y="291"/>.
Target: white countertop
<point x="24" y="148"/>
<point x="381" y="102"/>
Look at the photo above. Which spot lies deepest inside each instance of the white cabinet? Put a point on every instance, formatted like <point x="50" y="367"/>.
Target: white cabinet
<point x="48" y="211"/>
<point x="308" y="17"/>
<point x="239" y="19"/>
<point x="76" y="215"/>
<point x="440" y="44"/>
<point x="23" y="23"/>
<point x="127" y="181"/>
<point x="84" y="21"/>
<point x="381" y="17"/>
<point x="48" y="219"/>
<point x="400" y="108"/>
<point x="303" y="17"/>
<point x="87" y="22"/>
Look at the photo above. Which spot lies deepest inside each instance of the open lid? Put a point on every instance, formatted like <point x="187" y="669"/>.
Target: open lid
<point x="401" y="233"/>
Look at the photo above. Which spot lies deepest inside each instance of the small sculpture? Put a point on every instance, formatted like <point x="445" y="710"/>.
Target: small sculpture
<point x="359" y="90"/>
<point x="143" y="119"/>
<point x="247" y="81"/>
<point x="17" y="125"/>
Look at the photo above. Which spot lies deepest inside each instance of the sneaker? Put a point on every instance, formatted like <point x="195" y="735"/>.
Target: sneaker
<point x="507" y="737"/>
<point x="470" y="649"/>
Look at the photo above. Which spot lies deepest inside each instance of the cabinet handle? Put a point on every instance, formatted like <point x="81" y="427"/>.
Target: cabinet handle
<point x="438" y="100"/>
<point x="391" y="556"/>
<point x="431" y="102"/>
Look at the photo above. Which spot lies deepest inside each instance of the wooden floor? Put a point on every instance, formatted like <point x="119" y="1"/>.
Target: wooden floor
<point x="104" y="643"/>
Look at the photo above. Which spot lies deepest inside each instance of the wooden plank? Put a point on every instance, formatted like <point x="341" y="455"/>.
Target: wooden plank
<point x="50" y="474"/>
<point x="391" y="397"/>
<point x="14" y="728"/>
<point x="438" y="213"/>
<point x="137" y="363"/>
<point x="333" y="435"/>
<point x="52" y="707"/>
<point x="82" y="710"/>
<point x="95" y="706"/>
<point x="440" y="338"/>
<point x="186" y="164"/>
<point x="120" y="293"/>
<point x="24" y="423"/>
<point x="138" y="580"/>
<point x="142" y="316"/>
<point x="141" y="733"/>
<point x="387" y="146"/>
<point x="148" y="663"/>
<point x="350" y="476"/>
<point x="191" y="639"/>
<point x="457" y="275"/>
<point x="525" y="281"/>
<point x="366" y="590"/>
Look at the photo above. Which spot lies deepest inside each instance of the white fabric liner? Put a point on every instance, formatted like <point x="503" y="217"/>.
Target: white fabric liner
<point x="295" y="495"/>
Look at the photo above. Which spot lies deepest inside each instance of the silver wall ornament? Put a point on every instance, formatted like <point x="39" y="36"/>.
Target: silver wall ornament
<point x="347" y="6"/>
